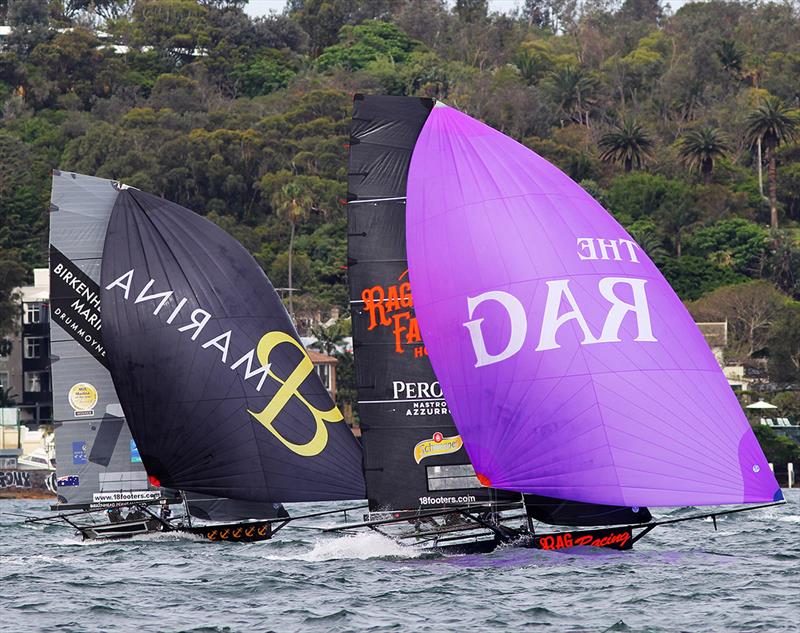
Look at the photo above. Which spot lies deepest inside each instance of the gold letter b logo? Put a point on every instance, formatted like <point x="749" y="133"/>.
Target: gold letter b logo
<point x="291" y="388"/>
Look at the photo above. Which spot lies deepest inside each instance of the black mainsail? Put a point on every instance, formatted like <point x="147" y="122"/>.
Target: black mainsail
<point x="218" y="391"/>
<point x="413" y="455"/>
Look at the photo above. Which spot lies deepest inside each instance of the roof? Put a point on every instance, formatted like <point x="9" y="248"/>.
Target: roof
<point x="318" y="358"/>
<point x="716" y="333"/>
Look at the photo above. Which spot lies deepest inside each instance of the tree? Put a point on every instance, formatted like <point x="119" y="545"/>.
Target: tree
<point x="784" y="346"/>
<point x="771" y="125"/>
<point x="788" y="403"/>
<point x="368" y="42"/>
<point x="628" y="143"/>
<point x="692" y="277"/>
<point x="292" y="203"/>
<point x="750" y="308"/>
<point x="676" y="213"/>
<point x="778" y="449"/>
<point x="730" y="57"/>
<point x="331" y="338"/>
<point x="734" y="243"/>
<point x="572" y="89"/>
<point x="700" y="148"/>
<point x="12" y="273"/>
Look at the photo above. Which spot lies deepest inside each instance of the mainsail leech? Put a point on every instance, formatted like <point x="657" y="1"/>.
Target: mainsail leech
<point x="571" y="367"/>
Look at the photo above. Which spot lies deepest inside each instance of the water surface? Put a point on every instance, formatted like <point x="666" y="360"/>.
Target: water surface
<point x="684" y="577"/>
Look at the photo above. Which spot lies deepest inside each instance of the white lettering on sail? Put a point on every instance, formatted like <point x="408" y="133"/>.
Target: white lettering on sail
<point x="127" y="285"/>
<point x="631" y="246"/>
<point x="606" y="246"/>
<point x="177" y="309"/>
<point x="249" y="371"/>
<point x="199" y="318"/>
<point x="552" y="321"/>
<point x="195" y="324"/>
<point x="164" y="296"/>
<point x="590" y="248"/>
<point x="218" y="343"/>
<point x="558" y="292"/>
<point x="519" y="327"/>
<point x="619" y="309"/>
<point x="586" y="244"/>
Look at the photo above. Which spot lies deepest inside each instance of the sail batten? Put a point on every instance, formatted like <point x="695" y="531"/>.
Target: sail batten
<point x="571" y="367"/>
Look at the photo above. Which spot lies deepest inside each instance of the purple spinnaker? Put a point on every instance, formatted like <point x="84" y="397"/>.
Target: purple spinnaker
<point x="570" y="366"/>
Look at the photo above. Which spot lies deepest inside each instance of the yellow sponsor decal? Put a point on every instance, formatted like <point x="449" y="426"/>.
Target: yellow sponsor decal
<point x="82" y="398"/>
<point x="437" y="445"/>
<point x="290" y="388"/>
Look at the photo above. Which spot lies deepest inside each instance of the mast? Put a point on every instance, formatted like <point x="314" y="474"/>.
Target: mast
<point x="95" y="453"/>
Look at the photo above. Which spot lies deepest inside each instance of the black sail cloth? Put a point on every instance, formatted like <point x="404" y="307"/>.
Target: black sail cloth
<point x="413" y="456"/>
<point x="220" y="396"/>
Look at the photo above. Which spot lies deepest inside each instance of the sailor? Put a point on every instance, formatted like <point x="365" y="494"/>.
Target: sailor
<point x="165" y="511"/>
<point x="114" y="515"/>
<point x="135" y="514"/>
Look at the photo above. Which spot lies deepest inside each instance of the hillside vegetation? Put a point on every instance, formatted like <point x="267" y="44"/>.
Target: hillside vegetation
<point x="661" y="117"/>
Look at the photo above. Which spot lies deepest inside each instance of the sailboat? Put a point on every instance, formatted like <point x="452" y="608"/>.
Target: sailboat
<point x="580" y="390"/>
<point x="192" y="388"/>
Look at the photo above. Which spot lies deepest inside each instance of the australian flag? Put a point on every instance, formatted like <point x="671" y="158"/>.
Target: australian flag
<point x="68" y="480"/>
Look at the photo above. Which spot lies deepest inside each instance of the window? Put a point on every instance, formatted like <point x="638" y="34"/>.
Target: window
<point x="6" y="346"/>
<point x="37" y="381"/>
<point x="454" y="477"/>
<point x="35" y="312"/>
<point x="4" y="380"/>
<point x="34" y="346"/>
<point x="324" y="372"/>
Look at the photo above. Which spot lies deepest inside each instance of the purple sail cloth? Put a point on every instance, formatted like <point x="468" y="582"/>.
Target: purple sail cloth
<point x="558" y="397"/>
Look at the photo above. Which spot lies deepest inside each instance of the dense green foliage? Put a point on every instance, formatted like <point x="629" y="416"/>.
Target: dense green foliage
<point x="244" y="120"/>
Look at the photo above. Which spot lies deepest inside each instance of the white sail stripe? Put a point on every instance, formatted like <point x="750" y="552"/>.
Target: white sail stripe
<point x="409" y="400"/>
<point x="376" y="200"/>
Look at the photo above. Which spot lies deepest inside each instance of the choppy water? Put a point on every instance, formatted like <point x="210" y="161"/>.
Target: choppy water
<point x="686" y="577"/>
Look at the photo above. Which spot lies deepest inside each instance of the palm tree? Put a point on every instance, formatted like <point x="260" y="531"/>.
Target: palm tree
<point x="731" y="57"/>
<point x="649" y="241"/>
<point x="700" y="148"/>
<point x="329" y="339"/>
<point x="573" y="90"/>
<point x="628" y="143"/>
<point x="771" y="124"/>
<point x="293" y="203"/>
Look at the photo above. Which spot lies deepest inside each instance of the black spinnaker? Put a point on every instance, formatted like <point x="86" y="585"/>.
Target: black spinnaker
<point x="219" y="394"/>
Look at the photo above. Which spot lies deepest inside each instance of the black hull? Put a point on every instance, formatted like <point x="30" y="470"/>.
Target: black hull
<point x="610" y="538"/>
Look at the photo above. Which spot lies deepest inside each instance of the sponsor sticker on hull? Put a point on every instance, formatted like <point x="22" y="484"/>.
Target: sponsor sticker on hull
<point x="437" y="445"/>
<point x="118" y="497"/>
<point x="611" y="538"/>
